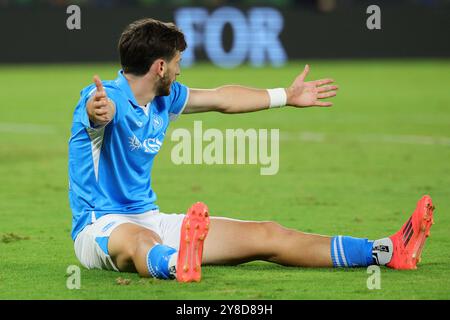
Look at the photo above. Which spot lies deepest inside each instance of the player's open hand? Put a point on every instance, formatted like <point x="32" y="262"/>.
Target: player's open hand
<point x="308" y="94"/>
<point x="100" y="109"/>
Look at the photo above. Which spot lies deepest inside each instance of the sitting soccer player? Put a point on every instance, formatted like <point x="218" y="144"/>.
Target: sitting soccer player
<point x="119" y="127"/>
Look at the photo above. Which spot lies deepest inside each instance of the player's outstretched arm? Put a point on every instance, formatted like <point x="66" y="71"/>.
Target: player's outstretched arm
<point x="99" y="108"/>
<point x="239" y="99"/>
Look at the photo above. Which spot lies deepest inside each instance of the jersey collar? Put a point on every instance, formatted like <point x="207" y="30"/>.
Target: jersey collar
<point x="122" y="83"/>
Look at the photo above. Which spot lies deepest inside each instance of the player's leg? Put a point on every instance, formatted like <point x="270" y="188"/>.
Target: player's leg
<point x="138" y="246"/>
<point x="115" y="242"/>
<point x="233" y="241"/>
<point x="124" y="243"/>
<point x="129" y="245"/>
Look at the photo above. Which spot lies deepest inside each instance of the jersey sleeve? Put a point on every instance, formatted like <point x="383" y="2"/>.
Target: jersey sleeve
<point x="179" y="95"/>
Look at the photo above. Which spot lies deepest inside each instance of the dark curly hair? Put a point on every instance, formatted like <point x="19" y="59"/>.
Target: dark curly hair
<point x="143" y="41"/>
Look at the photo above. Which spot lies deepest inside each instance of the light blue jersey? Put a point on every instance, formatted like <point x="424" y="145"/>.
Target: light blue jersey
<point x="110" y="167"/>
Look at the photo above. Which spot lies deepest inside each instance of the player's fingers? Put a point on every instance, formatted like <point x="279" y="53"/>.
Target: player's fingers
<point x="327" y="88"/>
<point x="304" y="73"/>
<point x="323" y="104"/>
<point x="101" y="111"/>
<point x="321" y="82"/>
<point x="98" y="84"/>
<point x="100" y="103"/>
<point x="99" y="95"/>
<point x="326" y="94"/>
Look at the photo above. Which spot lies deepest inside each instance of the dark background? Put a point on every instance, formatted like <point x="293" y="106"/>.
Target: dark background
<point x="35" y="31"/>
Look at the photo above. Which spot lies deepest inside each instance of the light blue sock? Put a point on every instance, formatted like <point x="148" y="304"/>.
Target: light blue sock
<point x="351" y="252"/>
<point x="158" y="258"/>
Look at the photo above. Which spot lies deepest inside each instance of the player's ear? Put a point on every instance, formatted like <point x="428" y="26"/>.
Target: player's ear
<point x="159" y="67"/>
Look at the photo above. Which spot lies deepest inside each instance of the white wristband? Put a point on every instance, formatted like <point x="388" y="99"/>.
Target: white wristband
<point x="278" y="97"/>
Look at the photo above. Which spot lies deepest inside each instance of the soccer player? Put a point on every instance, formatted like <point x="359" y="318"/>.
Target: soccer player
<point x="119" y="127"/>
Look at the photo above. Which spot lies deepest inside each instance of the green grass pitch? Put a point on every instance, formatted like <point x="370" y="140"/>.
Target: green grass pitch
<point x="355" y="169"/>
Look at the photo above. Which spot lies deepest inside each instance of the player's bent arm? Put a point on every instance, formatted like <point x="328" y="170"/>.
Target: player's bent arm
<point x="100" y="108"/>
<point x="227" y="99"/>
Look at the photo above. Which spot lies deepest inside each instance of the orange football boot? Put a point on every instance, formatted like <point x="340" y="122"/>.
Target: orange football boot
<point x="408" y="242"/>
<point x="193" y="233"/>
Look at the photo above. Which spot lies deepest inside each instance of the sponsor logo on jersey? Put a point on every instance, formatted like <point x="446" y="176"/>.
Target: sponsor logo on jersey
<point x="150" y="145"/>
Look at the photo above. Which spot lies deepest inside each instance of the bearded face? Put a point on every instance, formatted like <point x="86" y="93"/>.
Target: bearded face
<point x="164" y="84"/>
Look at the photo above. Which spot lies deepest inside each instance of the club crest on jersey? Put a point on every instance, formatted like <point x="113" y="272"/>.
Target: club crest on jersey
<point x="157" y="122"/>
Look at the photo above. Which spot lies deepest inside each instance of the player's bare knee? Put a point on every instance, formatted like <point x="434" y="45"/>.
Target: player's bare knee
<point x="275" y="233"/>
<point x="143" y="240"/>
<point x="271" y="231"/>
<point x="270" y="226"/>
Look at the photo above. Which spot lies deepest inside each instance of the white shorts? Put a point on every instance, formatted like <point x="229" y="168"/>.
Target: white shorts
<point x="91" y="244"/>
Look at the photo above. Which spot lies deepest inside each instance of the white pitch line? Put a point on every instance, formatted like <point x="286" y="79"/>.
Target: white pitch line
<point x="374" y="138"/>
<point x="307" y="136"/>
<point x="26" y="128"/>
<point x="406" y="139"/>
